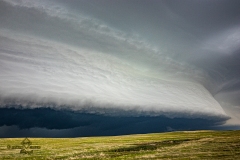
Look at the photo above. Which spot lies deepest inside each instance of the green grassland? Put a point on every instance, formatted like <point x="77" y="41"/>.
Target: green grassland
<point x="172" y="145"/>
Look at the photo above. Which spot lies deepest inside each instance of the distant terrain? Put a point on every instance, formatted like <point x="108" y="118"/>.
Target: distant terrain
<point x="171" y="145"/>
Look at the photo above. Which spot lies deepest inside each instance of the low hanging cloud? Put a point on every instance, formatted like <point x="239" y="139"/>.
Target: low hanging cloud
<point x="54" y="56"/>
<point x="46" y="122"/>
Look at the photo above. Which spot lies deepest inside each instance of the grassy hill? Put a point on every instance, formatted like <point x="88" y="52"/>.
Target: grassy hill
<point x="173" y="145"/>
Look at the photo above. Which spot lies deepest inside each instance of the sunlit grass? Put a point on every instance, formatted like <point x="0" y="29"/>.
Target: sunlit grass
<point x="173" y="145"/>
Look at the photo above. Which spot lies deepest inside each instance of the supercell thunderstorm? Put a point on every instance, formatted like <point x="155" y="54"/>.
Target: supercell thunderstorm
<point x="52" y="56"/>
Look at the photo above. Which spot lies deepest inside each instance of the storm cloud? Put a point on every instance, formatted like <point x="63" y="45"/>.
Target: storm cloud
<point x="119" y="62"/>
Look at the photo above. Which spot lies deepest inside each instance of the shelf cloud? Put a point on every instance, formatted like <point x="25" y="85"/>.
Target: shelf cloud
<point x="108" y="60"/>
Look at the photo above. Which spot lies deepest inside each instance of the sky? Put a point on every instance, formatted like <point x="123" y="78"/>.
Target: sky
<point x="111" y="67"/>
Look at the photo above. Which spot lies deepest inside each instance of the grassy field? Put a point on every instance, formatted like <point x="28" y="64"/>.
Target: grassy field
<point x="172" y="145"/>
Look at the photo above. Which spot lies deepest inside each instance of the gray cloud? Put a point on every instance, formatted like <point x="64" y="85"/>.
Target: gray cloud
<point x="46" y="122"/>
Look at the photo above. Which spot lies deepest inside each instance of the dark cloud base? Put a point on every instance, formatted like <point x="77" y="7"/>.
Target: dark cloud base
<point x="47" y="122"/>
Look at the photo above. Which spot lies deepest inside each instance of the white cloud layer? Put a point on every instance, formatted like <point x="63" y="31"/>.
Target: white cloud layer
<point x="35" y="72"/>
<point x="96" y="68"/>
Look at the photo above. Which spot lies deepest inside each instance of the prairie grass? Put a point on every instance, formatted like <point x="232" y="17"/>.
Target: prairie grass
<point x="171" y="145"/>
